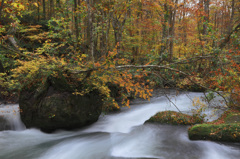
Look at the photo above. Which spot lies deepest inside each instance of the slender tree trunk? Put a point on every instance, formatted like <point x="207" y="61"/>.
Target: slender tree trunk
<point x="172" y="30"/>
<point x="90" y="31"/>
<point x="1" y="7"/>
<point x="184" y="25"/>
<point x="44" y="9"/>
<point x="103" y="41"/>
<point x="1" y="67"/>
<point x="206" y="16"/>
<point x="232" y="16"/>
<point x="118" y="26"/>
<point x="38" y="10"/>
<point x="108" y="32"/>
<point x="76" y="20"/>
<point x="51" y="11"/>
<point x="58" y="4"/>
<point x="222" y="25"/>
<point x="164" y="31"/>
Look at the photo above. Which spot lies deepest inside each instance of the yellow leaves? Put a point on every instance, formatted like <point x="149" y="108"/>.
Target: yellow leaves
<point x="35" y="71"/>
<point x="62" y="61"/>
<point x="104" y="90"/>
<point x="84" y="55"/>
<point x="36" y="4"/>
<point x="127" y="104"/>
<point x="18" y="6"/>
<point x="78" y="93"/>
<point x="198" y="106"/>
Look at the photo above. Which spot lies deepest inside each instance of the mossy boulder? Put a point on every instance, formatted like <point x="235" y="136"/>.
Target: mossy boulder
<point x="226" y="128"/>
<point x="221" y="132"/>
<point x="53" y="106"/>
<point x="174" y="118"/>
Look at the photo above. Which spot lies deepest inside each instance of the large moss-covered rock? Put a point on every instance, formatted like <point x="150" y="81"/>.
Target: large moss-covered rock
<point x="221" y="132"/>
<point x="226" y="128"/>
<point x="174" y="118"/>
<point x="53" y="106"/>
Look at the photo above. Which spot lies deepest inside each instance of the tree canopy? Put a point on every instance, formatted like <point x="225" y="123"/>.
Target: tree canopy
<point x="133" y="44"/>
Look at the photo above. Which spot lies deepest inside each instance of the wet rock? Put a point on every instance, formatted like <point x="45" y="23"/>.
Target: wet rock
<point x="4" y="125"/>
<point x="221" y="132"/>
<point x="174" y="118"/>
<point x="53" y="106"/>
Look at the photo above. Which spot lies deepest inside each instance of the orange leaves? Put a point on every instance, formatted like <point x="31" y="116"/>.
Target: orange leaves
<point x="97" y="64"/>
<point x="129" y="81"/>
<point x="226" y="78"/>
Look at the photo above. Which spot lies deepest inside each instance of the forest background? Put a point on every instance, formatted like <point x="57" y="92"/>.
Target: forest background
<point x="135" y="45"/>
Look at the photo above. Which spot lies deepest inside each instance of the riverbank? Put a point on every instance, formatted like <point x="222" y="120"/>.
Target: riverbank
<point x="226" y="128"/>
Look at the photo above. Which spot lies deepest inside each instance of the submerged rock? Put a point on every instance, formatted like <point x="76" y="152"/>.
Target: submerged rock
<point x="53" y="106"/>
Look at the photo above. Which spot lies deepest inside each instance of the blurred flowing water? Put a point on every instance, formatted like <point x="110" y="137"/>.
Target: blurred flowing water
<point x="120" y="135"/>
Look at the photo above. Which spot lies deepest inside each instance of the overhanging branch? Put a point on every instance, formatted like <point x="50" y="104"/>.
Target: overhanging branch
<point x="227" y="38"/>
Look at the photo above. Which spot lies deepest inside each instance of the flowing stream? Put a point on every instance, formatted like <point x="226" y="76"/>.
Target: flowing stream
<point x="120" y="135"/>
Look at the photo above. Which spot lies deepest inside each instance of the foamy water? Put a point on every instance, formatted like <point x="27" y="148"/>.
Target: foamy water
<point x="116" y="136"/>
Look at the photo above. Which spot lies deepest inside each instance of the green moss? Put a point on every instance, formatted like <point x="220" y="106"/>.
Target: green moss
<point x="233" y="118"/>
<point x="221" y="132"/>
<point x="174" y="118"/>
<point x="226" y="128"/>
<point x="229" y="116"/>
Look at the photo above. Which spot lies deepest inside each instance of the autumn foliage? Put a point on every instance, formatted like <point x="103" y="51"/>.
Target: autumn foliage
<point x="132" y="44"/>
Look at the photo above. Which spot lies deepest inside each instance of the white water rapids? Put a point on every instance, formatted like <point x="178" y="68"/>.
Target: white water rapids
<point x="120" y="135"/>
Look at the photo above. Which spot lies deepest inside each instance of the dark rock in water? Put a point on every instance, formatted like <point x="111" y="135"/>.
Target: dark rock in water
<point x="4" y="124"/>
<point x="53" y="106"/>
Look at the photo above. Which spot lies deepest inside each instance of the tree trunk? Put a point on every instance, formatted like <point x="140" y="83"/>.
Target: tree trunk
<point x="103" y="40"/>
<point x="1" y="68"/>
<point x="44" y="10"/>
<point x="118" y="28"/>
<point x="232" y="16"/>
<point x="76" y="20"/>
<point x="1" y="7"/>
<point x="58" y="4"/>
<point x="164" y="31"/>
<point x="172" y="30"/>
<point x="184" y="25"/>
<point x="118" y="25"/>
<point x="206" y="16"/>
<point x="90" y="31"/>
<point x="51" y="8"/>
<point x="38" y="10"/>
